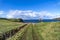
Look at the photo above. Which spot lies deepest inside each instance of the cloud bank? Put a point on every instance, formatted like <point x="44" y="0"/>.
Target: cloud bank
<point x="29" y="14"/>
<point x="1" y="12"/>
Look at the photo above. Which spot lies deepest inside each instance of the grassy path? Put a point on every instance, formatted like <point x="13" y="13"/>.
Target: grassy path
<point x="35" y="34"/>
<point x="27" y="34"/>
<point x="38" y="31"/>
<point x="31" y="34"/>
<point x="20" y="35"/>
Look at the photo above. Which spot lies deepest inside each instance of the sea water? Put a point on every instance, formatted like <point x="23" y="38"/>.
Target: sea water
<point x="45" y="20"/>
<point x="31" y="21"/>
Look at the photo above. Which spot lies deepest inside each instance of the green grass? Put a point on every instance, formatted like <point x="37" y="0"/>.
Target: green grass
<point x="33" y="31"/>
<point x="8" y="25"/>
<point x="50" y="31"/>
<point x="23" y="34"/>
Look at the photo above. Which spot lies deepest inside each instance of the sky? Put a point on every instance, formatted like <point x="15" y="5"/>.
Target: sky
<point x="30" y="9"/>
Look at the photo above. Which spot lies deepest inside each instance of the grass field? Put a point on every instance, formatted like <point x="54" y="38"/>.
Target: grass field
<point x="8" y="25"/>
<point x="48" y="30"/>
<point x="32" y="31"/>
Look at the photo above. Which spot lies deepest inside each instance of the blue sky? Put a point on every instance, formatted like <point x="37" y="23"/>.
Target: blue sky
<point x="30" y="9"/>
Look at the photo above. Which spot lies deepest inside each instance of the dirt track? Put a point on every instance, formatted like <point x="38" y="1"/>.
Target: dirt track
<point x="30" y="34"/>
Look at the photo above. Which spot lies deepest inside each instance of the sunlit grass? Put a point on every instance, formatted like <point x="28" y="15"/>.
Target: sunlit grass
<point x="42" y="30"/>
<point x="8" y="25"/>
<point x="23" y="34"/>
<point x="50" y="31"/>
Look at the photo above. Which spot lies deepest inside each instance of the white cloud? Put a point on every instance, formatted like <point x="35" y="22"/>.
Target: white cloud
<point x="1" y="12"/>
<point x="31" y="14"/>
<point x="17" y="13"/>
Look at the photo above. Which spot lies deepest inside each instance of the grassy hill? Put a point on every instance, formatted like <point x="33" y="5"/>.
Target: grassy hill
<point x="13" y="19"/>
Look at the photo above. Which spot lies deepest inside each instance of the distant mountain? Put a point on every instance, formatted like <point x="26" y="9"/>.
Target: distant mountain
<point x="57" y="18"/>
<point x="50" y="20"/>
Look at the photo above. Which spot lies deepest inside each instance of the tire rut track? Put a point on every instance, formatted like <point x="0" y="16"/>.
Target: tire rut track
<point x="35" y="34"/>
<point x="27" y="34"/>
<point x="30" y="34"/>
